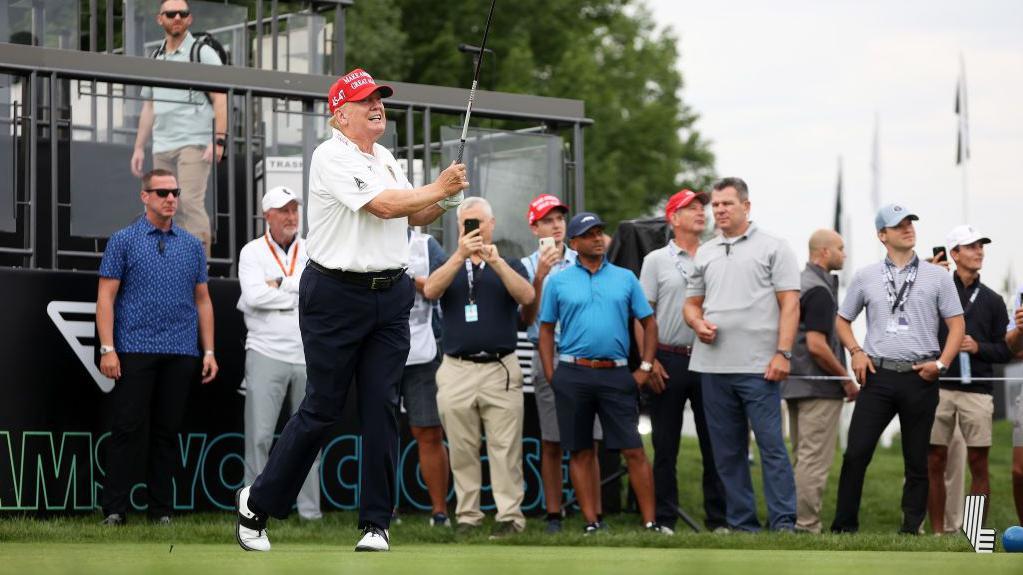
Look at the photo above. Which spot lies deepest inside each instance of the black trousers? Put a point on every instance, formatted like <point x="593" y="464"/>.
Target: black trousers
<point x="666" y="410"/>
<point x="147" y="406"/>
<point x="349" y="333"/>
<point x="885" y="395"/>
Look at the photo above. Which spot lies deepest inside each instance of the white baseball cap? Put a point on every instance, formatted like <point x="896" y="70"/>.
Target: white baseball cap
<point x="279" y="197"/>
<point x="964" y="235"/>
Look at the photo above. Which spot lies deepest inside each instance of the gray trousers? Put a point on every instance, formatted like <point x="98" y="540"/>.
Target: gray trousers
<point x="267" y="382"/>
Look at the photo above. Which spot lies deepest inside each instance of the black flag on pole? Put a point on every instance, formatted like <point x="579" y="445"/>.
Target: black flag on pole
<point x="963" y="135"/>
<point x="838" y="200"/>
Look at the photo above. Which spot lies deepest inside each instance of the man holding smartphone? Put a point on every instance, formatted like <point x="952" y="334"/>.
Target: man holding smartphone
<point x="479" y="379"/>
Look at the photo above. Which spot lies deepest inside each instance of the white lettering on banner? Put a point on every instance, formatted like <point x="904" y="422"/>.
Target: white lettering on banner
<point x="76" y="330"/>
<point x="981" y="538"/>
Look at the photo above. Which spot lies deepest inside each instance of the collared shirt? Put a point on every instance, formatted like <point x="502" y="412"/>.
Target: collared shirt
<point x="594" y="309"/>
<point x="932" y="297"/>
<point x="271" y="313"/>
<point x="182" y="117"/>
<point x="739" y="279"/>
<point x="342" y="235"/>
<point x="531" y="262"/>
<point x="154" y="311"/>
<point x="496" y="329"/>
<point x="984" y="318"/>
<point x="664" y="277"/>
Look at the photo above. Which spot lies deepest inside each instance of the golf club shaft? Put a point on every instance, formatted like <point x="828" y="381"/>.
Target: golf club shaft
<point x="475" y="82"/>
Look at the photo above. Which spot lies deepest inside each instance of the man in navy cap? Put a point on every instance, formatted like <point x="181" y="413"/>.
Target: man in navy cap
<point x="594" y="301"/>
<point x="899" y="364"/>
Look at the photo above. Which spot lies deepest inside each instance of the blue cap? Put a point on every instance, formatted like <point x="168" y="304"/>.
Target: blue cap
<point x="889" y="216"/>
<point x="582" y="222"/>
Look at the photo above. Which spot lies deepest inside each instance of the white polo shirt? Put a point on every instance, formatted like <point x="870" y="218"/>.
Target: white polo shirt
<point x="343" y="179"/>
<point x="271" y="314"/>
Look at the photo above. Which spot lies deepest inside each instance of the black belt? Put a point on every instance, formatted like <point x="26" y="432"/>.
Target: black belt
<point x="686" y="350"/>
<point x="483" y="357"/>
<point x="373" y="280"/>
<point x="896" y="365"/>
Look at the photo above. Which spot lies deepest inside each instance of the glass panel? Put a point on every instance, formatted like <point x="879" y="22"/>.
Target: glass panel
<point x="509" y="169"/>
<point x="49" y="23"/>
<point x="227" y="23"/>
<point x="300" y="44"/>
<point x="7" y="151"/>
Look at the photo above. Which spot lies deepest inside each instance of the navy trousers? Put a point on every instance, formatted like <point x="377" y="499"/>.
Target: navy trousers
<point x="349" y="333"/>
<point x="666" y="411"/>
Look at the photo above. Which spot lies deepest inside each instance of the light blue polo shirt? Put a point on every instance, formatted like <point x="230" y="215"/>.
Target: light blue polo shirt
<point x="594" y="309"/>
<point x="182" y="117"/>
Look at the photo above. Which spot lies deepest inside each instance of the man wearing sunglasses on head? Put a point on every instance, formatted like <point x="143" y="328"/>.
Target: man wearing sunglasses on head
<point x="152" y="307"/>
<point x="185" y="140"/>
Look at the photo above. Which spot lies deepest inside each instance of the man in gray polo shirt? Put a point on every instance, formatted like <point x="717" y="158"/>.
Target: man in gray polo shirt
<point x="898" y="365"/>
<point x="743" y="304"/>
<point x="664" y="277"/>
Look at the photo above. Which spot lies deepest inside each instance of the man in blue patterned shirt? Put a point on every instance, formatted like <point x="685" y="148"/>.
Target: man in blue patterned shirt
<point x="152" y="307"/>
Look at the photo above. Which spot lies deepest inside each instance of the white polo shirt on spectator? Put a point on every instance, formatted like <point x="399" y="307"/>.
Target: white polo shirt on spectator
<point x="343" y="236"/>
<point x="271" y="314"/>
<point x="739" y="279"/>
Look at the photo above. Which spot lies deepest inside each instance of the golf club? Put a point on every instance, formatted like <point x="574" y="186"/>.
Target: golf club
<point x="475" y="81"/>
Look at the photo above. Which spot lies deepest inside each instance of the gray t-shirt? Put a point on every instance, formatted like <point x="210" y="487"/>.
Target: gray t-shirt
<point x="664" y="277"/>
<point x="931" y="297"/>
<point x="739" y="279"/>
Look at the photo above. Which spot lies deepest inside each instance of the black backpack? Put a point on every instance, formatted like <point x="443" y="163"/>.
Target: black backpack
<point x="201" y="39"/>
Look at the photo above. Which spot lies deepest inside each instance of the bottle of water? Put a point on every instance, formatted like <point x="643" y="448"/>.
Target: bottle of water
<point x="964" y="368"/>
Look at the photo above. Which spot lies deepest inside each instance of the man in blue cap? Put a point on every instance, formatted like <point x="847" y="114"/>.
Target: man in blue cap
<point x="899" y="364"/>
<point x="594" y="302"/>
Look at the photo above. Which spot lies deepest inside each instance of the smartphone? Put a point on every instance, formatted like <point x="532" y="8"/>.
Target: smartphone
<point x="546" y="243"/>
<point x="471" y="224"/>
<point x="939" y="253"/>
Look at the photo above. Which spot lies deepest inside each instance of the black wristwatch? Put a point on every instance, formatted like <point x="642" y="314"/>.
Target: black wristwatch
<point x="786" y="354"/>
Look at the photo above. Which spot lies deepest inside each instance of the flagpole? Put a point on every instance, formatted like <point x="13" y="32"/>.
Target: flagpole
<point x="964" y="137"/>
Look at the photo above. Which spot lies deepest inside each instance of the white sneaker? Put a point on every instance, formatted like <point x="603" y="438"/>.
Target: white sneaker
<point x="374" y="539"/>
<point x="665" y="530"/>
<point x="249" y="528"/>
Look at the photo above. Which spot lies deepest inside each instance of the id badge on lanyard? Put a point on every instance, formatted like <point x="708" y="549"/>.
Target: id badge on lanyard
<point x="472" y="314"/>
<point x="898" y="322"/>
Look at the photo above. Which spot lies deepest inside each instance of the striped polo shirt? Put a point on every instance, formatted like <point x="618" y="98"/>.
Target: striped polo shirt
<point x="932" y="297"/>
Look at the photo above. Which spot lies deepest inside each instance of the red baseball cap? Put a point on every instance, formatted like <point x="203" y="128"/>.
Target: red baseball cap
<point x="543" y="204"/>
<point x="354" y="86"/>
<point x="682" y="199"/>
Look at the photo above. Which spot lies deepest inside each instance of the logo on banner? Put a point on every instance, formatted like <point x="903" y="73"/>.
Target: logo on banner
<point x="982" y="538"/>
<point x="75" y="330"/>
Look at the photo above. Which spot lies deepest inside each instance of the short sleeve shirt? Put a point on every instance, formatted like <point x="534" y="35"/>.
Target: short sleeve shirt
<point x="739" y="279"/>
<point x="594" y="309"/>
<point x="497" y="326"/>
<point x="154" y="310"/>
<point x="664" y="277"/>
<point x="817" y="311"/>
<point x="342" y="235"/>
<point x="932" y="297"/>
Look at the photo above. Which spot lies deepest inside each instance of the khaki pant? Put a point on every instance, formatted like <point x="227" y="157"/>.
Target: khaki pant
<point x="192" y="173"/>
<point x="470" y="393"/>
<point x="813" y="426"/>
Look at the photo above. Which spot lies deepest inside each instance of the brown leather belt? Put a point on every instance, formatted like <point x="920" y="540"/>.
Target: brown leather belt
<point x="594" y="363"/>
<point x="685" y="350"/>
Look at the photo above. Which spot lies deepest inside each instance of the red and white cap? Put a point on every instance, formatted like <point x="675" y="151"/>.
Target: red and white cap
<point x="542" y="205"/>
<point x="681" y="199"/>
<point x="354" y="86"/>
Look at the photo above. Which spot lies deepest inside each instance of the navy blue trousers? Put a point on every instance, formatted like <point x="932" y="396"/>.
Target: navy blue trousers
<point x="349" y="333"/>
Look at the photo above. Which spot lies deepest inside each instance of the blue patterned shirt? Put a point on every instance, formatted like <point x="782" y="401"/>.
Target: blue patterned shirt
<point x="154" y="311"/>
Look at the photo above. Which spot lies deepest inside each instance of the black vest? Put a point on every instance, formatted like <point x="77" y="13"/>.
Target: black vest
<point x="802" y="362"/>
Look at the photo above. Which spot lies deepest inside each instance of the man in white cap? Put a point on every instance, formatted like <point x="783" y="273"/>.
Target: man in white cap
<point x="268" y="271"/>
<point x="970" y="402"/>
<point x="899" y="364"/>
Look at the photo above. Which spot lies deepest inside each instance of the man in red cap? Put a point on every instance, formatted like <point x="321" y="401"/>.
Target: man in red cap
<point x="353" y="309"/>
<point x="664" y="278"/>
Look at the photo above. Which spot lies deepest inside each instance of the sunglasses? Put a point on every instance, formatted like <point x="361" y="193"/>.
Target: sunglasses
<point x="163" y="192"/>
<point x="172" y="14"/>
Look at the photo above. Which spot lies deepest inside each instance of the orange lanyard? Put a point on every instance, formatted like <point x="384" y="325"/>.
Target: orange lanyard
<point x="288" y="272"/>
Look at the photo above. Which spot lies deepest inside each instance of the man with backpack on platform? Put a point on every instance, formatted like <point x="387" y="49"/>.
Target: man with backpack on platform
<point x="189" y="128"/>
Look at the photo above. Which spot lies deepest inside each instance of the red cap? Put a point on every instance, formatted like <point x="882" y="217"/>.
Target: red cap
<point x="543" y="204"/>
<point x="682" y="199"/>
<point x="354" y="86"/>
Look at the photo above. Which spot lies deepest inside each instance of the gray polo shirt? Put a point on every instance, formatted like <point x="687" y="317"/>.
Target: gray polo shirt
<point x="664" y="277"/>
<point x="182" y="117"/>
<point x="739" y="285"/>
<point x="932" y="297"/>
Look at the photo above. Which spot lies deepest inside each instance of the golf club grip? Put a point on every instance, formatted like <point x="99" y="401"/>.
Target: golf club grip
<point x="461" y="148"/>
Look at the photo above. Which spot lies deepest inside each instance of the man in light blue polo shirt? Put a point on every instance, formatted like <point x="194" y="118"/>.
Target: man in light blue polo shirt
<point x="182" y="123"/>
<point x="594" y="302"/>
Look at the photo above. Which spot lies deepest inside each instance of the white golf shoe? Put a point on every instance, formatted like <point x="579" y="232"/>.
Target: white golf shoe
<point x="249" y="529"/>
<point x="374" y="539"/>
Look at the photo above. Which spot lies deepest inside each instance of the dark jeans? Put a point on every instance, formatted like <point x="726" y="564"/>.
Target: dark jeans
<point x="348" y="332"/>
<point x="885" y="395"/>
<point x="147" y="406"/>
<point x="666" y="411"/>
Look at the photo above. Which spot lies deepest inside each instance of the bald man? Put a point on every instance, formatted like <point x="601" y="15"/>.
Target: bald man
<point x="815" y="405"/>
